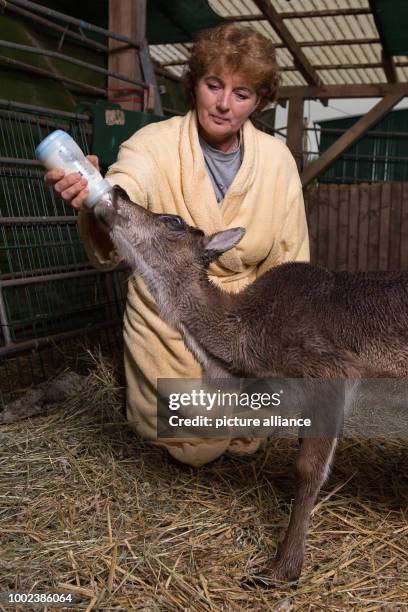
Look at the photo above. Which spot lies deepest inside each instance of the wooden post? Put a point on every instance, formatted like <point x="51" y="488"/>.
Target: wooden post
<point x="354" y="133"/>
<point x="294" y="138"/>
<point x="126" y="17"/>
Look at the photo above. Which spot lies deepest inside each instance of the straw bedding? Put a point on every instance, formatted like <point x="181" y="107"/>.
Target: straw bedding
<point x="88" y="508"/>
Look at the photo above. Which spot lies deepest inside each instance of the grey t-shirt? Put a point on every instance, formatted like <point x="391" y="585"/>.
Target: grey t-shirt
<point x="221" y="167"/>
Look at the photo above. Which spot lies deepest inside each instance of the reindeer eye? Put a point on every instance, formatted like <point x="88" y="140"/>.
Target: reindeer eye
<point x="175" y="221"/>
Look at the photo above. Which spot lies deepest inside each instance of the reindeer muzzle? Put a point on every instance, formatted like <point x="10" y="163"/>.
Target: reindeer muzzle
<point x="106" y="213"/>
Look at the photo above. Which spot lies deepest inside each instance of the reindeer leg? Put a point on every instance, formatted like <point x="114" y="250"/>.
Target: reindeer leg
<point x="324" y="404"/>
<point x="312" y="467"/>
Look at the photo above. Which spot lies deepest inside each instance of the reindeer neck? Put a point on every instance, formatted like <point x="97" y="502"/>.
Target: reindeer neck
<point x="202" y="313"/>
<point x="204" y="303"/>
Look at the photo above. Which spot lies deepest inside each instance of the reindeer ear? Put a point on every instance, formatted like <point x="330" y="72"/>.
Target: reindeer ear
<point x="223" y="241"/>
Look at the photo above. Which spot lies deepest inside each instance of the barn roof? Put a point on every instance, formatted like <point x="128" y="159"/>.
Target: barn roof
<point x="355" y="42"/>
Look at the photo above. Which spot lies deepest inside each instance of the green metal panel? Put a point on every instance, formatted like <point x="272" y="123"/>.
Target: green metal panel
<point x="393" y="20"/>
<point x="178" y="21"/>
<point x="21" y="86"/>
<point x="380" y="155"/>
<point x="169" y="22"/>
<point x="111" y="126"/>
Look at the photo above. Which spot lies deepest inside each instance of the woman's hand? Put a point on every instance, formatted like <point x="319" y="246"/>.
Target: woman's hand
<point x="71" y="187"/>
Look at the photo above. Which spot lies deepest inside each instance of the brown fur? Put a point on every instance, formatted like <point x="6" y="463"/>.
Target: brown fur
<point x="297" y="320"/>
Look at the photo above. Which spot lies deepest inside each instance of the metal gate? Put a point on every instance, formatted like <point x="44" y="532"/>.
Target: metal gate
<point x="48" y="290"/>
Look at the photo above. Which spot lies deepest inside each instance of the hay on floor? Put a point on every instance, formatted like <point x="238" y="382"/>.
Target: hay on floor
<point x="88" y="508"/>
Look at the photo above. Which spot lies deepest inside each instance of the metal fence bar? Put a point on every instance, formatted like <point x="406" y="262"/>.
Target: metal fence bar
<point x="380" y="133"/>
<point x="4" y="322"/>
<point x="54" y="26"/>
<point x="38" y="121"/>
<point x="18" y="161"/>
<point x="35" y="220"/>
<point x="9" y="105"/>
<point x="50" y="270"/>
<point x="48" y="290"/>
<point x="15" y="282"/>
<point x="15" y="347"/>
<point x="83" y="25"/>
<point x="373" y="158"/>
<point x="61" y="56"/>
<point x="46" y="122"/>
<point x="51" y="75"/>
<point x="368" y="157"/>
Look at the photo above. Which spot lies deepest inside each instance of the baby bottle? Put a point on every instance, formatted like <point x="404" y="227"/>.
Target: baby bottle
<point x="59" y="150"/>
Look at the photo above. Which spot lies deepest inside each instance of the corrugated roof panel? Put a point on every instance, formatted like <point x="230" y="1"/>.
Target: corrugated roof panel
<point x="310" y="29"/>
<point x="402" y="74"/>
<point x="228" y="8"/>
<point x="331" y="28"/>
<point x="170" y="53"/>
<point x="329" y="77"/>
<point x="360" y="26"/>
<point x="362" y="75"/>
<point x="376" y="75"/>
<point x="340" y="77"/>
<point x="292" y="78"/>
<point x="344" y="54"/>
<point x="234" y="7"/>
<point x="313" y="5"/>
<point x="284" y="58"/>
<point x="178" y="71"/>
<point x="263" y="27"/>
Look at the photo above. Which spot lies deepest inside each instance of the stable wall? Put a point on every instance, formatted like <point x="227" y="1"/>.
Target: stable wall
<point x="359" y="227"/>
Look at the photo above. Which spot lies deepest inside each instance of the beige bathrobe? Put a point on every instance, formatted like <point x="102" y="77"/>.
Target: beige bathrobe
<point x="162" y="168"/>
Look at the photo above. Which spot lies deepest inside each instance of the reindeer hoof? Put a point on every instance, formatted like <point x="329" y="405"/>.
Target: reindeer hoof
<point x="270" y="578"/>
<point x="254" y="581"/>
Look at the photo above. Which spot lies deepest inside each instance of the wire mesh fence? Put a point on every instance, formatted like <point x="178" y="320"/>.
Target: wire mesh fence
<point x="48" y="290"/>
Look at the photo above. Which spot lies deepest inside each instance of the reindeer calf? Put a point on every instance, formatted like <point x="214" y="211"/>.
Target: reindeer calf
<point x="297" y="320"/>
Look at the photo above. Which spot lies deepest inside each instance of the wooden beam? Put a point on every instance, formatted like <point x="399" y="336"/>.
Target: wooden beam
<point x="304" y="66"/>
<point x="303" y="14"/>
<point x="374" y="90"/>
<point x="174" y="63"/>
<point x="386" y="56"/>
<point x="127" y="17"/>
<point x="337" y="41"/>
<point x="324" y="13"/>
<point x="308" y="43"/>
<point x="294" y="138"/>
<point x="354" y="133"/>
<point x="363" y="65"/>
<point x="390" y="67"/>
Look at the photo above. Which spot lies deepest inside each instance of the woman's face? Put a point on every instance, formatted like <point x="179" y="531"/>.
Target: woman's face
<point x="224" y="100"/>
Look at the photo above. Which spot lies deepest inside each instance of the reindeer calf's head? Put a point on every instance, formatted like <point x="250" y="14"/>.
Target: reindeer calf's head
<point x="160" y="241"/>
